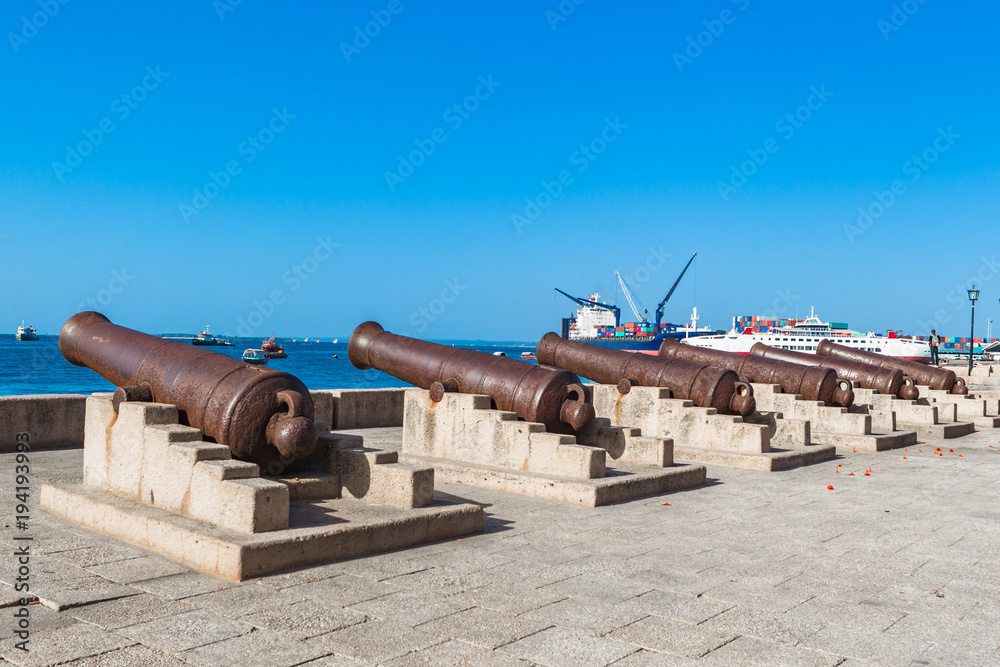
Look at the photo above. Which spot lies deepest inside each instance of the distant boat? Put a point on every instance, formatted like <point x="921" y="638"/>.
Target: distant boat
<point x="272" y="349"/>
<point x="335" y="340"/>
<point x="256" y="357"/>
<point x="528" y="356"/>
<point x="334" y="356"/>
<point x="26" y="333"/>
<point x="498" y="353"/>
<point x="205" y="338"/>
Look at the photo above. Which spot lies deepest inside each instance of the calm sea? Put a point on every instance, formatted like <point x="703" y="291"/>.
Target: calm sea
<point x="37" y="367"/>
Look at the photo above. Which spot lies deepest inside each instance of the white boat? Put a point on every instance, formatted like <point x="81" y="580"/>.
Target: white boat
<point x="26" y="333"/>
<point x="805" y="335"/>
<point x="256" y="357"/>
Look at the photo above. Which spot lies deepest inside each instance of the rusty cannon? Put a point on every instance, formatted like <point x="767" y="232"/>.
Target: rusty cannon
<point x="264" y="416"/>
<point x="813" y="383"/>
<point x="706" y="386"/>
<point x="935" y="378"/>
<point x="889" y="381"/>
<point x="551" y="396"/>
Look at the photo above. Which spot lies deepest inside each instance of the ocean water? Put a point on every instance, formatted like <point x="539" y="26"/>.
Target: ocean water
<point x="37" y="367"/>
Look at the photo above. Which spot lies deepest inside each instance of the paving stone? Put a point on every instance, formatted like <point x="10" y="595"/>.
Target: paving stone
<point x="751" y="651"/>
<point x="260" y="648"/>
<point x="599" y="619"/>
<point x="510" y="599"/>
<point x="180" y="586"/>
<point x="173" y="634"/>
<point x="66" y="593"/>
<point x="102" y="553"/>
<point x="593" y="589"/>
<point x="114" y="614"/>
<point x="301" y="576"/>
<point x="41" y="618"/>
<point x="343" y="590"/>
<point x="137" y="569"/>
<point x="485" y="628"/>
<point x="680" y="606"/>
<point x="241" y="599"/>
<point x="574" y="648"/>
<point x="62" y="644"/>
<point x="456" y="654"/>
<point x="645" y="658"/>
<point x="668" y="635"/>
<point x="783" y="627"/>
<point x="303" y="619"/>
<point x="408" y="607"/>
<point x="376" y="641"/>
<point x="128" y="657"/>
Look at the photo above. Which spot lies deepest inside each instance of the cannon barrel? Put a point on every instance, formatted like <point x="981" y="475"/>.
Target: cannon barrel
<point x="551" y="396"/>
<point x="889" y="381"/>
<point x="935" y="378"/>
<point x="814" y="384"/>
<point x="707" y="387"/>
<point x="264" y="416"/>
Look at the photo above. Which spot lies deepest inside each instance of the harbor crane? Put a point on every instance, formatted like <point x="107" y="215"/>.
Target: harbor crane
<point x="659" y="308"/>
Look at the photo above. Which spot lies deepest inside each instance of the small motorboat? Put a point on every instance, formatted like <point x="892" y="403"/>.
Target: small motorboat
<point x="499" y="353"/>
<point x="256" y="357"/>
<point x="528" y="356"/>
<point x="272" y="349"/>
<point x="334" y="356"/>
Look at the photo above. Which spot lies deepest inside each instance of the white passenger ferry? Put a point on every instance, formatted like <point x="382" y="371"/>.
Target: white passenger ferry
<point x="805" y="335"/>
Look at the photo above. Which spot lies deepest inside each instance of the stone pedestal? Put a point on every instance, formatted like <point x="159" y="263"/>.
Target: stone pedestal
<point x="155" y="483"/>
<point x="469" y="442"/>
<point x="850" y="430"/>
<point x="703" y="435"/>
<point x="937" y="420"/>
<point x="982" y="411"/>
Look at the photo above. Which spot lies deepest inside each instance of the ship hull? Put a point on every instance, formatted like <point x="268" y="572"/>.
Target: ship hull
<point x="651" y="344"/>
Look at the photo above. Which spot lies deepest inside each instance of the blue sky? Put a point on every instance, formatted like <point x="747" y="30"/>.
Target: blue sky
<point x="272" y="167"/>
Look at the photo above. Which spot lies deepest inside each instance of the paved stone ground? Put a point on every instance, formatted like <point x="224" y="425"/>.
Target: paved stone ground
<point x="898" y="567"/>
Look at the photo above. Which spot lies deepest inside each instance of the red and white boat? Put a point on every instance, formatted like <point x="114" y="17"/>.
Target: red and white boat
<point x="272" y="349"/>
<point x="805" y="335"/>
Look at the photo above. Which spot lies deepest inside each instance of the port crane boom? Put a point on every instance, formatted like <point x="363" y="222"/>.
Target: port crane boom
<point x="659" y="308"/>
<point x="642" y="317"/>
<point x="593" y="304"/>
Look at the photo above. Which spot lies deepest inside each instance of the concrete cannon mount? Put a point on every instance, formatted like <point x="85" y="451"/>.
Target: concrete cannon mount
<point x="705" y="436"/>
<point x="927" y="418"/>
<point x="983" y="411"/>
<point x="469" y="442"/>
<point x="154" y="483"/>
<point x="849" y="429"/>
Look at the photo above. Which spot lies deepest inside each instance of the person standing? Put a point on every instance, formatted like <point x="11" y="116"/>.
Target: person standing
<point x="935" y="340"/>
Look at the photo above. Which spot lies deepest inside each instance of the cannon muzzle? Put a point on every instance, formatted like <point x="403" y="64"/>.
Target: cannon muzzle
<point x="935" y="378"/>
<point x="707" y="387"/>
<point x="814" y="384"/>
<point x="264" y="416"/>
<point x="551" y="396"/>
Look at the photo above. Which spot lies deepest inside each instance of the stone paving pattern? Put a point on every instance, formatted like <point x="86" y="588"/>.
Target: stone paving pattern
<point x="899" y="567"/>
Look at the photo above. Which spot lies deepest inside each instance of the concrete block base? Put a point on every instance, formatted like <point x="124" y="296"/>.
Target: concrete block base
<point x="847" y="443"/>
<point x="318" y="531"/>
<point x="945" y="431"/>
<point x="986" y="422"/>
<point x="625" y="481"/>
<point x="771" y="461"/>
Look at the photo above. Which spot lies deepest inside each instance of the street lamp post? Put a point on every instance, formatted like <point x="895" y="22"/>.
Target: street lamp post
<point x="973" y="297"/>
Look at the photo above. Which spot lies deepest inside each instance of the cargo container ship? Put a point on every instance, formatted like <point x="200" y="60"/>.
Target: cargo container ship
<point x="805" y="335"/>
<point x="600" y="323"/>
